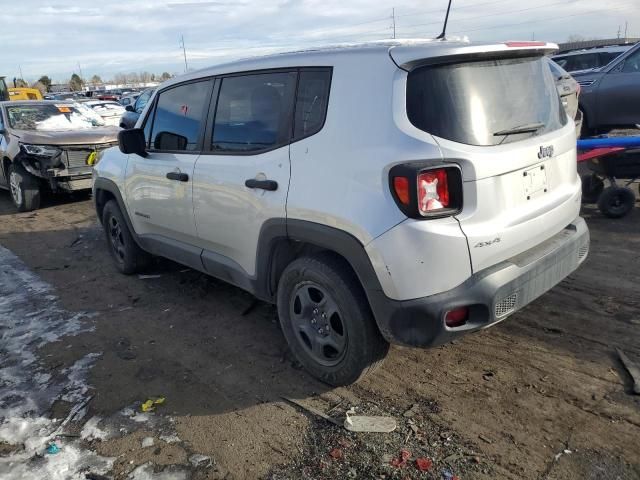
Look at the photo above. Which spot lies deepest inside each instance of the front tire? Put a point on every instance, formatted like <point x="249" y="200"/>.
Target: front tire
<point x="127" y="255"/>
<point x="616" y="202"/>
<point x="327" y="322"/>
<point x="24" y="187"/>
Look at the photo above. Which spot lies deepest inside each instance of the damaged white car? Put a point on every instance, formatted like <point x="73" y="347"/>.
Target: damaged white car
<point x="48" y="145"/>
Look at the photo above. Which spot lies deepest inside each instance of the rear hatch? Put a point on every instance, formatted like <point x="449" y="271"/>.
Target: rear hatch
<point x="495" y="111"/>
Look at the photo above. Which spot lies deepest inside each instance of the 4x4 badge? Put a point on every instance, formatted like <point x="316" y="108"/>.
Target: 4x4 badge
<point x="545" y="152"/>
<point x="486" y="244"/>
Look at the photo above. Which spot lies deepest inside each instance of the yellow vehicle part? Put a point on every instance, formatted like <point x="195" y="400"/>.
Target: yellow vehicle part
<point x="24" y="94"/>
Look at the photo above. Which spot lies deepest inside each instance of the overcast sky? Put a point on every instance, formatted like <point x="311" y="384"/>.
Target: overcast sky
<point x="110" y="37"/>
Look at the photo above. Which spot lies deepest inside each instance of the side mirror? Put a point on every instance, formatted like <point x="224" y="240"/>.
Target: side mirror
<point x="132" y="142"/>
<point x="129" y="108"/>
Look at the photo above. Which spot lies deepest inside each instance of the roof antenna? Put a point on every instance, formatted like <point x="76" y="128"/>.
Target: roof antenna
<point x="446" y="19"/>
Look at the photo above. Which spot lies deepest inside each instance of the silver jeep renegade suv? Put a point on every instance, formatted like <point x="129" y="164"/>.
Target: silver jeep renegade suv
<point x="396" y="192"/>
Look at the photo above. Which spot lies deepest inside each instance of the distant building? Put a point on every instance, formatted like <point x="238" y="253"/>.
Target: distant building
<point x="609" y="42"/>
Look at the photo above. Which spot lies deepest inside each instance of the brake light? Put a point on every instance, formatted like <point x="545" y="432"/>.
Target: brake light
<point x="524" y="44"/>
<point x="433" y="190"/>
<point x="401" y="187"/>
<point x="456" y="317"/>
<point x="423" y="191"/>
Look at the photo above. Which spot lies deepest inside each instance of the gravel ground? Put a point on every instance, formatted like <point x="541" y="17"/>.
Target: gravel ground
<point x="541" y="395"/>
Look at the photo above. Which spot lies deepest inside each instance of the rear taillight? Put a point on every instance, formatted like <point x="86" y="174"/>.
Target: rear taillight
<point x="433" y="190"/>
<point x="422" y="191"/>
<point x="401" y="189"/>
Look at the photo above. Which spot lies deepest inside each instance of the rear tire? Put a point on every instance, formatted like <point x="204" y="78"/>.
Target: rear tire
<point x="616" y="202"/>
<point x="127" y="255"/>
<point x="327" y="321"/>
<point x="592" y="187"/>
<point x="24" y="188"/>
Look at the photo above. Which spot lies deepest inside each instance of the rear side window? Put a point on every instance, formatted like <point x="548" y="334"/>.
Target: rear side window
<point x="311" y="102"/>
<point x="178" y="117"/>
<point x="485" y="102"/>
<point x="254" y="112"/>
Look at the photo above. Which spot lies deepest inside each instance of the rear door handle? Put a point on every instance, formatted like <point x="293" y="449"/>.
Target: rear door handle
<point x="180" y="177"/>
<point x="270" y="185"/>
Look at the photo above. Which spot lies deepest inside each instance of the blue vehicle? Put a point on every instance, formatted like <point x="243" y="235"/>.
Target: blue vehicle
<point x="610" y="96"/>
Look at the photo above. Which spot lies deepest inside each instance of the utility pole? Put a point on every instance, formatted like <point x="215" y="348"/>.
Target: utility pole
<point x="81" y="76"/>
<point x="20" y="68"/>
<point x="618" y="31"/>
<point x="184" y="51"/>
<point x="393" y="17"/>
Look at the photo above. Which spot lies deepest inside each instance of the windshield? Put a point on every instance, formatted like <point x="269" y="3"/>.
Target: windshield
<point x="486" y="102"/>
<point x="52" y="117"/>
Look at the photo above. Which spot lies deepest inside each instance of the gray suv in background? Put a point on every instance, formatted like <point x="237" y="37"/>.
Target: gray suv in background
<point x="610" y="97"/>
<point x="130" y="117"/>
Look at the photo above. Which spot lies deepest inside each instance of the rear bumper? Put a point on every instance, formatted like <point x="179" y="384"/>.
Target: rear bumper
<point x="492" y="294"/>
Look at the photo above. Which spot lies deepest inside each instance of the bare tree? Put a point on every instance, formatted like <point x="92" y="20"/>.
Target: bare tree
<point x="145" y="77"/>
<point x="133" y="77"/>
<point x="40" y="86"/>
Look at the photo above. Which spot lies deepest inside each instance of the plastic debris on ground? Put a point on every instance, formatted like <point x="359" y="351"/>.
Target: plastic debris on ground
<point x="336" y="454"/>
<point x="401" y="461"/>
<point x="448" y="475"/>
<point x="151" y="404"/>
<point x="423" y="464"/>
<point x="52" y="449"/>
<point x="361" y="423"/>
<point x="198" y="460"/>
<point x="632" y="368"/>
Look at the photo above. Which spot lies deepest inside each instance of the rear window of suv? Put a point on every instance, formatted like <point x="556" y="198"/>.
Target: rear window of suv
<point x="479" y="103"/>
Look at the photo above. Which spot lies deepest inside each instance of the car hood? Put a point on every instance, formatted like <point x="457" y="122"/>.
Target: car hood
<point x="74" y="137"/>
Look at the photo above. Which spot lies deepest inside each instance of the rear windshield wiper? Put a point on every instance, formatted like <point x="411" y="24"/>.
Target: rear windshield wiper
<point x="528" y="128"/>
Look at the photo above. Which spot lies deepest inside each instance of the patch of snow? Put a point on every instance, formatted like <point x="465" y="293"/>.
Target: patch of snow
<point x="91" y="431"/>
<point x="145" y="472"/>
<point x="30" y="317"/>
<point x="141" y="417"/>
<point x="147" y="442"/>
<point x="71" y="463"/>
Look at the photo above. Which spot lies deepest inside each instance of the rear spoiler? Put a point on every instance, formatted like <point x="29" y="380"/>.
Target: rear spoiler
<point x="410" y="57"/>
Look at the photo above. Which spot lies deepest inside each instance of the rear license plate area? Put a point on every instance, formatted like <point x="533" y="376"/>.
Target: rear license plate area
<point x="535" y="182"/>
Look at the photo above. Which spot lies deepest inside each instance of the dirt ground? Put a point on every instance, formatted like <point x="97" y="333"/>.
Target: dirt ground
<point x="539" y="396"/>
